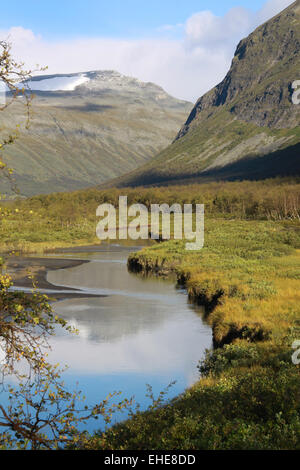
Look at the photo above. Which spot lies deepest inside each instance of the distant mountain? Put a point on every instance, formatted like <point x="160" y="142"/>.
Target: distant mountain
<point x="246" y="127"/>
<point x="88" y="128"/>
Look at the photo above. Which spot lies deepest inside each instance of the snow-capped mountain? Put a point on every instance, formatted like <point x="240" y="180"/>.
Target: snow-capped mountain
<point x="58" y="82"/>
<point x="89" y="127"/>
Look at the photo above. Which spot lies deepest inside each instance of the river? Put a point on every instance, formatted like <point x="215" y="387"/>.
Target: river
<point x="139" y="331"/>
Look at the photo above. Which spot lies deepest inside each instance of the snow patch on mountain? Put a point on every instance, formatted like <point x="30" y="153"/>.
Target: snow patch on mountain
<point x="62" y="83"/>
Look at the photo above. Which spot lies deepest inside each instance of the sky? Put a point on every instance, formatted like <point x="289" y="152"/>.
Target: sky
<point x="186" y="47"/>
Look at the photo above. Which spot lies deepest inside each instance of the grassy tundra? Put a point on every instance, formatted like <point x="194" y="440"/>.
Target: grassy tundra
<point x="248" y="278"/>
<point x="248" y="395"/>
<point x="46" y="222"/>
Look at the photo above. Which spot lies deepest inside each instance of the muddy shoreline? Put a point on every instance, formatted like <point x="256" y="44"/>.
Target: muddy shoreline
<point x="20" y="268"/>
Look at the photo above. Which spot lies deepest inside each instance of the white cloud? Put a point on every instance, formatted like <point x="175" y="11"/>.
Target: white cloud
<point x="171" y="27"/>
<point x="271" y="8"/>
<point x="185" y="67"/>
<point x="205" y="28"/>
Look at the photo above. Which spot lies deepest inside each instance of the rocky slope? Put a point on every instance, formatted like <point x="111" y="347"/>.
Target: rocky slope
<point x="248" y="125"/>
<point x="87" y="128"/>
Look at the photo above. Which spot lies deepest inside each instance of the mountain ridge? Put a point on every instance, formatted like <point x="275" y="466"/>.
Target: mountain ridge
<point x="249" y="115"/>
<point x="86" y="128"/>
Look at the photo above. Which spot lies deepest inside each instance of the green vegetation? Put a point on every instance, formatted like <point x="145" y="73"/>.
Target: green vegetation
<point x="244" y="270"/>
<point x="221" y="147"/>
<point x="68" y="219"/>
<point x="36" y="410"/>
<point x="247" y="276"/>
<point x="252" y="408"/>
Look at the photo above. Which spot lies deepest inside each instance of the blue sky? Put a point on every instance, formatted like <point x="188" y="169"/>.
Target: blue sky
<point x="184" y="46"/>
<point x="113" y="18"/>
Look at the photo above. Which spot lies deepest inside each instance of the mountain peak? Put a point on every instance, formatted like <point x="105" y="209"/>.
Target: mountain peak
<point x="87" y="128"/>
<point x="95" y="80"/>
<point x="263" y="69"/>
<point x="248" y="125"/>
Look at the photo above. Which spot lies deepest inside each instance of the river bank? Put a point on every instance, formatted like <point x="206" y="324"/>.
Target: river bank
<point x="247" y="395"/>
<point x="141" y="331"/>
<point x="238" y="277"/>
<point x="32" y="272"/>
<point x="46" y="223"/>
<point x="248" y="278"/>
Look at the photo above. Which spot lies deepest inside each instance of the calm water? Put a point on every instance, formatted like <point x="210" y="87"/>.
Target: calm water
<point x="143" y="331"/>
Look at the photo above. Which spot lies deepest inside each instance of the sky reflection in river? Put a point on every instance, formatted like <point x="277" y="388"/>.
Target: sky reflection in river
<point x="143" y="332"/>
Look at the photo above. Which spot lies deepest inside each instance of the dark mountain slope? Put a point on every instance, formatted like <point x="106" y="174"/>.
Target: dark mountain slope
<point x="248" y="125"/>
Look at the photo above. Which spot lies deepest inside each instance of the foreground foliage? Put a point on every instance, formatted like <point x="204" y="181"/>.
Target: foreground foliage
<point x="36" y="410"/>
<point x="247" y="276"/>
<point x="251" y="407"/>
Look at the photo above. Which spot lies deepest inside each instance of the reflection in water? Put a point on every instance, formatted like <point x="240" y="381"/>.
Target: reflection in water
<point x="143" y="332"/>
